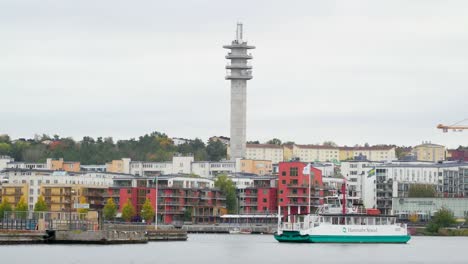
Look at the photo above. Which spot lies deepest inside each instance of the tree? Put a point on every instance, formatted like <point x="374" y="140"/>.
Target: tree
<point x="442" y="218"/>
<point x="188" y="214"/>
<point x="21" y="208"/>
<point x="110" y="209"/>
<point x="147" y="211"/>
<point x="289" y="143"/>
<point x="41" y="205"/>
<point x="253" y="142"/>
<point x="274" y="141"/>
<point x="225" y="184"/>
<point x="329" y="143"/>
<point x="128" y="211"/>
<point x="4" y="207"/>
<point x="216" y="150"/>
<point x="421" y="190"/>
<point x="82" y="211"/>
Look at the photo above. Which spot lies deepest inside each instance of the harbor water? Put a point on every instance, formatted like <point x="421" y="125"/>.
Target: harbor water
<point x="207" y="249"/>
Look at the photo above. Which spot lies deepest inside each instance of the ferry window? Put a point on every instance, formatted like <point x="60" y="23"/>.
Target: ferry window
<point x="348" y="221"/>
<point x="327" y="219"/>
<point x="334" y="220"/>
<point x="371" y="221"/>
<point x="377" y="221"/>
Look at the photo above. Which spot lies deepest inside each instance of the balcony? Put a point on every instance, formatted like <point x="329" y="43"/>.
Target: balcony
<point x="231" y="55"/>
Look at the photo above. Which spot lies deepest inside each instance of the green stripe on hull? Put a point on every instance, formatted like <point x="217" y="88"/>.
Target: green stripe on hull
<point x="295" y="237"/>
<point x="358" y="239"/>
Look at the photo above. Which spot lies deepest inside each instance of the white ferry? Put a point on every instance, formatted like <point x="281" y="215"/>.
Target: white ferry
<point x="352" y="225"/>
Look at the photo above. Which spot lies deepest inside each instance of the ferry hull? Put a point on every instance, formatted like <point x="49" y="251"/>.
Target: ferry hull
<point x="295" y="237"/>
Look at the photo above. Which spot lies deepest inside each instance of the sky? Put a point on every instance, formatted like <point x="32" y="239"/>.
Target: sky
<point x="350" y="71"/>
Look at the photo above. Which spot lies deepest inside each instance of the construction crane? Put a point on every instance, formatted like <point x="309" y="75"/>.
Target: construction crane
<point x="455" y="127"/>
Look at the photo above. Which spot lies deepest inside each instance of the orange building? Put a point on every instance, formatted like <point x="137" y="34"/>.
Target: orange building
<point x="60" y="164"/>
<point x="259" y="167"/>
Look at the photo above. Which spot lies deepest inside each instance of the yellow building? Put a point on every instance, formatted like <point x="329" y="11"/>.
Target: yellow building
<point x="59" y="164"/>
<point x="264" y="152"/>
<point x="287" y="152"/>
<point x="115" y="166"/>
<point x="63" y="197"/>
<point x="14" y="192"/>
<point x="60" y="197"/>
<point x="259" y="167"/>
<point x="311" y="153"/>
<point x="372" y="153"/>
<point x="429" y="152"/>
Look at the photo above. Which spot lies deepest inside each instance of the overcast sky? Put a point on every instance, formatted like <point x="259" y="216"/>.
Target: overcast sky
<point x="382" y="72"/>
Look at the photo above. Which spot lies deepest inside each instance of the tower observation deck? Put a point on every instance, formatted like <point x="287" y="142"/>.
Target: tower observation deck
<point x="238" y="71"/>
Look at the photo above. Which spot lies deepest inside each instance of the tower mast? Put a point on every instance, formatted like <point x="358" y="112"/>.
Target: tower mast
<point x="238" y="71"/>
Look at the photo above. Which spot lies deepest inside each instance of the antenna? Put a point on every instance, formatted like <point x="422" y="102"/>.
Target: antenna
<point x="239" y="33"/>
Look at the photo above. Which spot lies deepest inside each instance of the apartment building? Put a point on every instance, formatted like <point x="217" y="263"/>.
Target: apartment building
<point x="429" y="152"/>
<point x="256" y="194"/>
<point x="371" y="153"/>
<point x="264" y="152"/>
<point x="315" y="153"/>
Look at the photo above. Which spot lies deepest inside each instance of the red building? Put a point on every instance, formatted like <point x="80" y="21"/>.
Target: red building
<point x="260" y="197"/>
<point x="183" y="199"/>
<point x="459" y="154"/>
<point x="293" y="188"/>
<point x="135" y="190"/>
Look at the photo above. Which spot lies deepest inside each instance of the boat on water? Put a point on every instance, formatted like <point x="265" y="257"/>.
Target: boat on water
<point x="351" y="225"/>
<point x="235" y="231"/>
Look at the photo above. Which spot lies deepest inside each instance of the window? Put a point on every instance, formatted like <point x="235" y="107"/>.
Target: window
<point x="293" y="171"/>
<point x="264" y="200"/>
<point x="283" y="181"/>
<point x="283" y="173"/>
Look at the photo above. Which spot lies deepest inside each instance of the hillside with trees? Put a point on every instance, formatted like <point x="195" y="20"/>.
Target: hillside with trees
<point x="150" y="147"/>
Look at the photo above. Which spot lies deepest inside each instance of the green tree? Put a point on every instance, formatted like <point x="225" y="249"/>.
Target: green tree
<point x="128" y="211"/>
<point x="216" y="150"/>
<point x="82" y="211"/>
<point x="4" y="207"/>
<point x="147" y="211"/>
<point x="225" y="184"/>
<point x="274" y="141"/>
<point x="21" y="208"/>
<point x="442" y="218"/>
<point x="188" y="214"/>
<point x="41" y="205"/>
<point x="329" y="143"/>
<point x="422" y="190"/>
<point x="110" y="209"/>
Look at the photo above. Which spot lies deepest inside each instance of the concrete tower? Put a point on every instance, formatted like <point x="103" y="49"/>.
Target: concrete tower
<point x="238" y="71"/>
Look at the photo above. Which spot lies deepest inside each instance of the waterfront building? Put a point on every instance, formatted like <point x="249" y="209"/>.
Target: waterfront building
<point x="264" y="152"/>
<point x="256" y="194"/>
<point x="293" y="188"/>
<point x="7" y="162"/>
<point x="371" y="153"/>
<point x="424" y="208"/>
<point x="238" y="72"/>
<point x="315" y="153"/>
<point x="288" y="152"/>
<point x="429" y="152"/>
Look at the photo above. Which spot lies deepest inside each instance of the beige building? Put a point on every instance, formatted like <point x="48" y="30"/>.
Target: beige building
<point x="259" y="167"/>
<point x="287" y="152"/>
<point x="310" y="153"/>
<point x="373" y="153"/>
<point x="429" y="152"/>
<point x="59" y="164"/>
<point x="264" y="152"/>
<point x="118" y="166"/>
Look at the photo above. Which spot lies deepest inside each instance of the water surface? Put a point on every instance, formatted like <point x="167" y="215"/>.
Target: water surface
<point x="259" y="249"/>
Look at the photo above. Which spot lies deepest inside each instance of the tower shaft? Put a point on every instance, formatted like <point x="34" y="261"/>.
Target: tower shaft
<point x="238" y="71"/>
